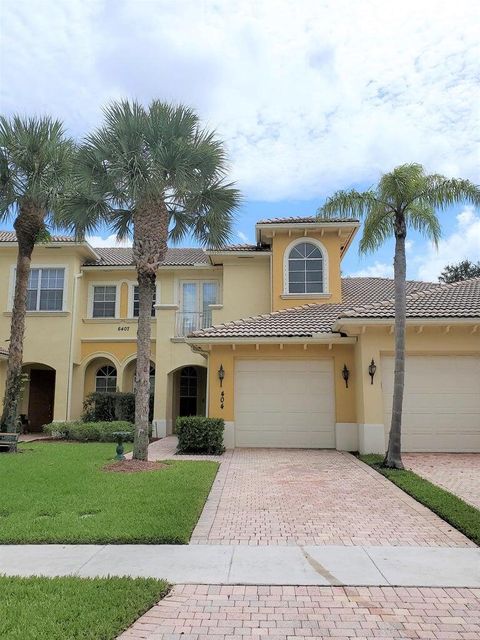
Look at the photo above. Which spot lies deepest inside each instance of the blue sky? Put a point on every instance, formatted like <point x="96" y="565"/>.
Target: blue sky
<point x="309" y="97"/>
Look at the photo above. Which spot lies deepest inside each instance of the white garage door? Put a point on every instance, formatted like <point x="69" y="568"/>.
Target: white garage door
<point x="284" y="403"/>
<point x="442" y="402"/>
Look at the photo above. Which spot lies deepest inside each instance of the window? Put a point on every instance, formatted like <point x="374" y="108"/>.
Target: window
<point x="305" y="269"/>
<point x="106" y="379"/>
<point x="45" y="289"/>
<point x="136" y="301"/>
<point x="104" y="301"/>
<point x="196" y="298"/>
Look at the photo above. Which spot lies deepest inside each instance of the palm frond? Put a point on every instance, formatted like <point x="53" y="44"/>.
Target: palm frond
<point x="442" y="192"/>
<point x="377" y="228"/>
<point x="348" y="204"/>
<point x="421" y="217"/>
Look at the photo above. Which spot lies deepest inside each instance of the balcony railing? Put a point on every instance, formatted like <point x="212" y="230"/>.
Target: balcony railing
<point x="188" y="321"/>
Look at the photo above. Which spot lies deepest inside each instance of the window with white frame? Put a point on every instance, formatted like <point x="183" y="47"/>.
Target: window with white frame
<point x="195" y="300"/>
<point x="104" y="301"/>
<point x="106" y="379"/>
<point x="305" y="269"/>
<point x="136" y="301"/>
<point x="45" y="289"/>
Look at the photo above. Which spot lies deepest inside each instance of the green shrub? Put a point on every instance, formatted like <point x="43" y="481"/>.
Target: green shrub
<point x="197" y="434"/>
<point x="108" y="407"/>
<point x="89" y="431"/>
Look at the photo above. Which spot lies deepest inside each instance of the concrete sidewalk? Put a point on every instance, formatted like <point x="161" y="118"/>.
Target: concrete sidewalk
<point x="248" y="565"/>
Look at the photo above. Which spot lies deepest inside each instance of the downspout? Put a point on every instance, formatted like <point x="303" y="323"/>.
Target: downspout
<point x="72" y="344"/>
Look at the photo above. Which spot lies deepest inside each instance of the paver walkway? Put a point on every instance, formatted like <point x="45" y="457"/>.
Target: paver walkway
<point x="284" y="613"/>
<point x="458" y="473"/>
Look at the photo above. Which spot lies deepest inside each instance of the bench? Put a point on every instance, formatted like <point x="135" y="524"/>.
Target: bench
<point x="9" y="441"/>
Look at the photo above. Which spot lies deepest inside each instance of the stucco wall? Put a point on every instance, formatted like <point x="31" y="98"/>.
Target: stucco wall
<point x="332" y="242"/>
<point x="224" y="354"/>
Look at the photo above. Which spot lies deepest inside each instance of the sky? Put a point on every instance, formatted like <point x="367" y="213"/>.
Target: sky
<point x="309" y="96"/>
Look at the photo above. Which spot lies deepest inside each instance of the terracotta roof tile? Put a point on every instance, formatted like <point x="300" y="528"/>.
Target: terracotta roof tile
<point x="122" y="256"/>
<point x="10" y="236"/>
<point x="241" y="247"/>
<point x="304" y="220"/>
<point x="310" y="319"/>
<point x="456" y="300"/>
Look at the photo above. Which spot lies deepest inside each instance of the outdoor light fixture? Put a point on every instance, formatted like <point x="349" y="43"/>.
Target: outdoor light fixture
<point x="345" y="374"/>
<point x="221" y="374"/>
<point x="372" y="367"/>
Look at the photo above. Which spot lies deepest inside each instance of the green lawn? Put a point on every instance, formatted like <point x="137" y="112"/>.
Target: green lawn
<point x="452" y="509"/>
<point x="57" y="492"/>
<point x="73" y="608"/>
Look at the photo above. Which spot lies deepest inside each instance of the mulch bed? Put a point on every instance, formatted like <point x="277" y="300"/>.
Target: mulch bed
<point x="133" y="466"/>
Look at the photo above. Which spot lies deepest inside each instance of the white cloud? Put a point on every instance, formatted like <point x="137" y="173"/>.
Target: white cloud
<point x="376" y="270"/>
<point x="243" y="237"/>
<point x="110" y="241"/>
<point x="463" y="243"/>
<point x="308" y="97"/>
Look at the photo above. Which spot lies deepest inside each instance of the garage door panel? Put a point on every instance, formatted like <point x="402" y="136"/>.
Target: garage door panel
<point x="285" y="403"/>
<point x="441" y="405"/>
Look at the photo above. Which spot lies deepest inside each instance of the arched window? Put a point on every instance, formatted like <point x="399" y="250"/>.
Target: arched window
<point x="305" y="268"/>
<point x="106" y="379"/>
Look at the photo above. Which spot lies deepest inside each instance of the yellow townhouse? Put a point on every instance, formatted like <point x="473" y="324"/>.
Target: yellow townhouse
<point x="269" y="337"/>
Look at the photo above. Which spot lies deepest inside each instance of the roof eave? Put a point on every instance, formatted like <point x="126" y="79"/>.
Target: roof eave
<point x="302" y="226"/>
<point x="323" y="338"/>
<point x="411" y="320"/>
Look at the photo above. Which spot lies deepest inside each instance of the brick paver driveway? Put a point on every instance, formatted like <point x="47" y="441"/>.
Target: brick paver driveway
<point x="281" y="613"/>
<point x="458" y="473"/>
<point x="306" y="496"/>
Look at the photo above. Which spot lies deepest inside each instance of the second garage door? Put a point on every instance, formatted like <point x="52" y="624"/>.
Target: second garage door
<point x="284" y="403"/>
<point x="442" y="402"/>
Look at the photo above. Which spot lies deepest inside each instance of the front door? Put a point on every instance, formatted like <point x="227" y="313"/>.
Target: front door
<point x="41" y="398"/>
<point x="188" y="391"/>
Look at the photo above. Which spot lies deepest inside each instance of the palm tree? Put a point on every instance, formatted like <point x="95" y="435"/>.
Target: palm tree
<point x="155" y="174"/>
<point x="405" y="197"/>
<point x="35" y="167"/>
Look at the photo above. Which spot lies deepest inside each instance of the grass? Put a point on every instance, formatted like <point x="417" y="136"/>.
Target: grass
<point x="58" y="493"/>
<point x="449" y="507"/>
<point x="74" y="608"/>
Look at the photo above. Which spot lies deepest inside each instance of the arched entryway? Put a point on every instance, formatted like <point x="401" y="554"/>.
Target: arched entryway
<point x="129" y="376"/>
<point x="37" y="399"/>
<point x="189" y="391"/>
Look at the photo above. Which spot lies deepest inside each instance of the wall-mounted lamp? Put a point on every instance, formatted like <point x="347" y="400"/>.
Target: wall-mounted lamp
<point x="372" y="367"/>
<point x="345" y="374"/>
<point x="221" y="374"/>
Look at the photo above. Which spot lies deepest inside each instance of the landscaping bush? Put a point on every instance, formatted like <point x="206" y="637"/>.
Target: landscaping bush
<point x="89" y="431"/>
<point x="197" y="434"/>
<point x="108" y="407"/>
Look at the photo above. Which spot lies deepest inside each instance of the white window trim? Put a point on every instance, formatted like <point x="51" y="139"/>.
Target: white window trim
<point x="131" y="287"/>
<point x="286" y="255"/>
<point x="200" y="281"/>
<point x="11" y="289"/>
<point x="91" y="287"/>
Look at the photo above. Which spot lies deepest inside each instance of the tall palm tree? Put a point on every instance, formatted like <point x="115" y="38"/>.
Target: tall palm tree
<point x="36" y="161"/>
<point x="155" y="174"/>
<point x="405" y="197"/>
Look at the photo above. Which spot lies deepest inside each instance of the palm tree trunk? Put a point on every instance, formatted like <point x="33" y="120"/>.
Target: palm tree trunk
<point x="393" y="458"/>
<point x="149" y="247"/>
<point x="27" y="226"/>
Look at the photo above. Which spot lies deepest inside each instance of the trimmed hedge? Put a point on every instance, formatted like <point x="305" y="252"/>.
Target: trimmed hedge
<point x="89" y="431"/>
<point x="197" y="434"/>
<point x="108" y="407"/>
